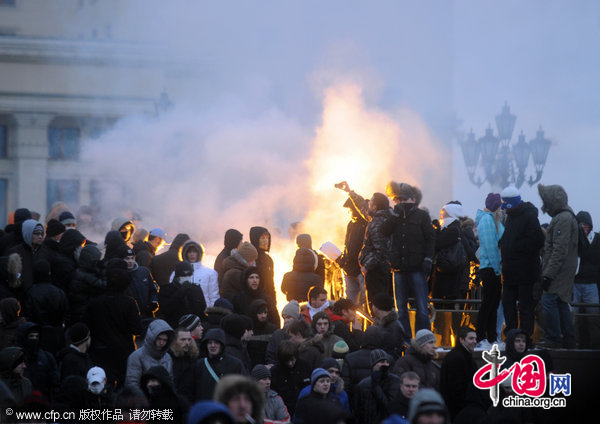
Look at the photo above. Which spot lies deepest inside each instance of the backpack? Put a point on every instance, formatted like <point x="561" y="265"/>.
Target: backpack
<point x="451" y="259"/>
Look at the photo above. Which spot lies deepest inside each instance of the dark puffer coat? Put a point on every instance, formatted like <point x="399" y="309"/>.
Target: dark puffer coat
<point x="297" y="282"/>
<point x="264" y="263"/>
<point x="520" y="245"/>
<point x="164" y="264"/>
<point x="63" y="265"/>
<point x="232" y="239"/>
<point x="87" y="283"/>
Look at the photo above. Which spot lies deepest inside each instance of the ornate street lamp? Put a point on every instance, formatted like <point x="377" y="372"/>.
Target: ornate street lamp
<point x="501" y="163"/>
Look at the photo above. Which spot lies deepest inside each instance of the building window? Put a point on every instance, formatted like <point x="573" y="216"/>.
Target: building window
<point x="3" y="202"/>
<point x="64" y="142"/>
<point x="62" y="191"/>
<point x="3" y="141"/>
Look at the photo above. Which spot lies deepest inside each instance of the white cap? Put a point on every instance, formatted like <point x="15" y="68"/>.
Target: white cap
<point x="96" y="375"/>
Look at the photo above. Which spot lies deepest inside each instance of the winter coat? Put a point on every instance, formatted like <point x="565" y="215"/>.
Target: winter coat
<point x="164" y="264"/>
<point x="275" y="409"/>
<point x="87" y="283"/>
<point x="589" y="254"/>
<point x="144" y="290"/>
<point x="10" y="270"/>
<point x="357" y="365"/>
<point x="243" y="303"/>
<point x="446" y="285"/>
<point x="257" y="349"/>
<point x="232" y="240"/>
<point x="46" y="304"/>
<point x="562" y="236"/>
<point x="355" y="235"/>
<point x="392" y="334"/>
<point x="239" y="384"/>
<point x="9" y="312"/>
<point x="148" y="355"/>
<point x="184" y="365"/>
<point x="48" y="250"/>
<point x="336" y="390"/>
<point x="233" y="267"/>
<point x="327" y="340"/>
<point x="203" y="276"/>
<point x="317" y="408"/>
<point x="296" y="283"/>
<point x="20" y="387"/>
<point x="416" y="360"/>
<point x="412" y="237"/>
<point x="42" y="369"/>
<point x="520" y="245"/>
<point x="264" y="263"/>
<point x="372" y="400"/>
<point x="223" y="364"/>
<point x="164" y="396"/>
<point x="72" y="361"/>
<point x="512" y="356"/>
<point x="113" y="319"/>
<point x="177" y="299"/>
<point x="144" y="253"/>
<point x="456" y="375"/>
<point x="212" y="317"/>
<point x="341" y="329"/>
<point x="489" y="234"/>
<point x="63" y="265"/>
<point x="288" y="382"/>
<point x="376" y="248"/>
<point x="28" y="254"/>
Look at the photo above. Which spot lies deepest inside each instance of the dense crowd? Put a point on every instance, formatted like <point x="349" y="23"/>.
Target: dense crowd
<point x="125" y="324"/>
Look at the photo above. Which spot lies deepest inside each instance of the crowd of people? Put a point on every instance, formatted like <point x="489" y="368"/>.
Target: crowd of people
<point x="122" y="324"/>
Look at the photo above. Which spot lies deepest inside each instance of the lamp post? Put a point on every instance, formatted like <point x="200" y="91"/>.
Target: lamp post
<point x="504" y="164"/>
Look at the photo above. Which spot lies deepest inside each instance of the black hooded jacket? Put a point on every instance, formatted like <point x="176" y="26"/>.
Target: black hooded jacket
<point x="63" y="265"/>
<point x="589" y="253"/>
<point x="87" y="283"/>
<point x="520" y="245"/>
<point x="163" y="396"/>
<point x="164" y="264"/>
<point x="302" y="277"/>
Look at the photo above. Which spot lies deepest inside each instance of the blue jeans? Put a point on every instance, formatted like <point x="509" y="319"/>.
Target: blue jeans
<point x="585" y="293"/>
<point x="355" y="288"/>
<point x="558" y="319"/>
<point x="412" y="284"/>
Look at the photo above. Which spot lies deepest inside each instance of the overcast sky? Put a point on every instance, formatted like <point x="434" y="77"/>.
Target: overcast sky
<point x="454" y="64"/>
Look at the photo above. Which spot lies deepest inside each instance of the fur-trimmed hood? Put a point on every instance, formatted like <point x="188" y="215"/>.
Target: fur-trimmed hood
<point x="191" y="244"/>
<point x="231" y="385"/>
<point x="554" y="199"/>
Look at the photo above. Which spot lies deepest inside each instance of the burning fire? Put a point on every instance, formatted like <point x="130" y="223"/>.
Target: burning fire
<point x="367" y="148"/>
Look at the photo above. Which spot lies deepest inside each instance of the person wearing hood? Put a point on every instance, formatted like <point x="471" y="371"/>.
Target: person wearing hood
<point x="113" y="319"/>
<point x="41" y="368"/>
<point x="373" y="395"/>
<point x="124" y="226"/>
<point x="319" y="406"/>
<point x="48" y="306"/>
<point x="88" y="282"/>
<point x="10" y="314"/>
<point x="214" y="314"/>
<point x="233" y="240"/>
<point x="251" y="291"/>
<point x="209" y="412"/>
<point x="275" y="411"/>
<point x="428" y="407"/>
<point x="559" y="266"/>
<point x="157" y="385"/>
<point x="181" y="297"/>
<point x="12" y="369"/>
<point x="489" y="230"/>
<point x="420" y="358"/>
<point x="446" y="281"/>
<point x="142" y="288"/>
<point x="304" y="241"/>
<point x="203" y="276"/>
<point x="214" y="364"/>
<point x="159" y="338"/>
<point x="296" y="283"/>
<point x="520" y="247"/>
<point x="234" y="267"/>
<point x="243" y="397"/>
<point x="257" y="346"/>
<point x="164" y="264"/>
<point x="146" y="250"/>
<point x="64" y="264"/>
<point x="32" y="234"/>
<point x="99" y="394"/>
<point x="411" y="254"/>
<point x="184" y="353"/>
<point x="13" y="235"/>
<point x="113" y="243"/>
<point x="261" y="240"/>
<point x="374" y="255"/>
<point x="74" y="359"/>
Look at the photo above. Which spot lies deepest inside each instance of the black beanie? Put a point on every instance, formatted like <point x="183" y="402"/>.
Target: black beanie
<point x="383" y="301"/>
<point x="22" y="214"/>
<point x="123" y="251"/>
<point x="54" y="228"/>
<point x="79" y="333"/>
<point x="236" y="324"/>
<point x="381" y="201"/>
